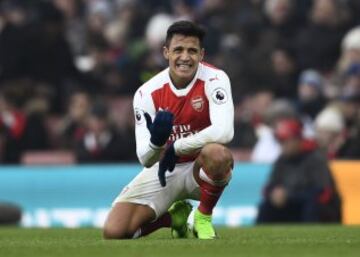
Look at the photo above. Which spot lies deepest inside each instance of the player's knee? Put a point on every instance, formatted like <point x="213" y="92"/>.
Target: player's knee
<point x="217" y="160"/>
<point x="113" y="232"/>
<point x="216" y="156"/>
<point x="116" y="231"/>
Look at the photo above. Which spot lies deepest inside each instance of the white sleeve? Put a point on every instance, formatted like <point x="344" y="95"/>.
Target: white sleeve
<point x="147" y="153"/>
<point x="221" y="110"/>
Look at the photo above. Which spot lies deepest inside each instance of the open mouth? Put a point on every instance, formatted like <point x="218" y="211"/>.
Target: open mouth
<point x="184" y="67"/>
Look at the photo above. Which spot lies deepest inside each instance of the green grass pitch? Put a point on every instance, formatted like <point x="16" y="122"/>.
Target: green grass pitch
<point x="267" y="241"/>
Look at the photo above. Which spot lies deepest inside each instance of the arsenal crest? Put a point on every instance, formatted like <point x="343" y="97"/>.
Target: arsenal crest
<point x="197" y="103"/>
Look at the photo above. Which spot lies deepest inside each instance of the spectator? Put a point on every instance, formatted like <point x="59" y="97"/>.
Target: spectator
<point x="267" y="149"/>
<point x="330" y="131"/>
<point x="248" y="115"/>
<point x="22" y="131"/>
<point x="318" y="43"/>
<point x="350" y="50"/>
<point x="40" y="52"/>
<point x="14" y="30"/>
<point x="310" y="100"/>
<point x="281" y="25"/>
<point x="283" y="75"/>
<point x="75" y="27"/>
<point x="12" y="127"/>
<point x="352" y="80"/>
<point x="310" y="95"/>
<point x="300" y="188"/>
<point x="268" y="52"/>
<point x="72" y="126"/>
<point x="101" y="142"/>
<point x="349" y="107"/>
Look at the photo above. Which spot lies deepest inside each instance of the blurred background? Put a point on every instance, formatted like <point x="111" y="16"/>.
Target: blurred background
<point x="69" y="69"/>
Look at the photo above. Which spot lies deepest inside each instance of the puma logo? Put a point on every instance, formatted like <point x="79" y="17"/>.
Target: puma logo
<point x="215" y="78"/>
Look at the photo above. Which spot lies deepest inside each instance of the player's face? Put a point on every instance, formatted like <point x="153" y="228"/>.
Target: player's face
<point x="290" y="147"/>
<point x="184" y="54"/>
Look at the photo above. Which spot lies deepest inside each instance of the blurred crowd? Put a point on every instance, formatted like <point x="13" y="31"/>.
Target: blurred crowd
<point x="69" y="69"/>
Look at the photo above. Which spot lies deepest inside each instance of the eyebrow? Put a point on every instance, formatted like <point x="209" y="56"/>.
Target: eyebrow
<point x="181" y="48"/>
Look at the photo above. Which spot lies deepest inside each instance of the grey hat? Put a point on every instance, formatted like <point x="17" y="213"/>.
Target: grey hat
<point x="311" y="77"/>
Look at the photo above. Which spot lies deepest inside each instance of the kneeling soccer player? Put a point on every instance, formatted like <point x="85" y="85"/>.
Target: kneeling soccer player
<point x="183" y="117"/>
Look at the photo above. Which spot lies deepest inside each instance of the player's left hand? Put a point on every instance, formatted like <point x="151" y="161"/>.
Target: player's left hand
<point x="167" y="163"/>
<point x="278" y="196"/>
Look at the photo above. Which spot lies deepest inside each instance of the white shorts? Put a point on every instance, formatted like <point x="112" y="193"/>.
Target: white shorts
<point x="145" y="188"/>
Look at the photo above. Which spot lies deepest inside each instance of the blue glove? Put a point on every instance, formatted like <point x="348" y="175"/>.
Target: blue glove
<point x="167" y="162"/>
<point x="160" y="129"/>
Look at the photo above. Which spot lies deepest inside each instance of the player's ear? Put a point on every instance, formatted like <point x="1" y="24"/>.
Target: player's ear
<point x="202" y="54"/>
<point x="166" y="52"/>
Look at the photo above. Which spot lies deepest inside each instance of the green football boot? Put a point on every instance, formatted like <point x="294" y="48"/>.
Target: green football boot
<point x="203" y="228"/>
<point x="179" y="212"/>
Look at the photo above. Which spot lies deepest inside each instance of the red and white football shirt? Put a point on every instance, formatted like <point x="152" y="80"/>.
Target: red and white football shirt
<point x="203" y="112"/>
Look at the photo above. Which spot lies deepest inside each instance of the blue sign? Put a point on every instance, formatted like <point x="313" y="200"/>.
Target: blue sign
<point x="81" y="195"/>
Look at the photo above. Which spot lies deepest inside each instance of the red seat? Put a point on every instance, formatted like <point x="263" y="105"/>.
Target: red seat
<point x="48" y="157"/>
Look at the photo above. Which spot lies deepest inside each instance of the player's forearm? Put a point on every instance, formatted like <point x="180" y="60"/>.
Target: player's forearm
<point x="212" y="134"/>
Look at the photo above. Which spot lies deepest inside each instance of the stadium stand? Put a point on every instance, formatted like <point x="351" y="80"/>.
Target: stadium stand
<point x="107" y="49"/>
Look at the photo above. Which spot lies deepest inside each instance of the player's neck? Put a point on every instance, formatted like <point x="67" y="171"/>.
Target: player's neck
<point x="180" y="83"/>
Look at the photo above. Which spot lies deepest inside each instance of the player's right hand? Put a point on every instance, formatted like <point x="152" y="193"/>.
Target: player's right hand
<point x="167" y="163"/>
<point x="160" y="129"/>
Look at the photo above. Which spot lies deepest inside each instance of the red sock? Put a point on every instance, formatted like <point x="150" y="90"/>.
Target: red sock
<point x="209" y="196"/>
<point x="163" y="222"/>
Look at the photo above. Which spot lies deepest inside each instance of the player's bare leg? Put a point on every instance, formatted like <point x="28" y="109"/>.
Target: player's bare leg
<point x="129" y="220"/>
<point x="212" y="171"/>
<point x="125" y="219"/>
